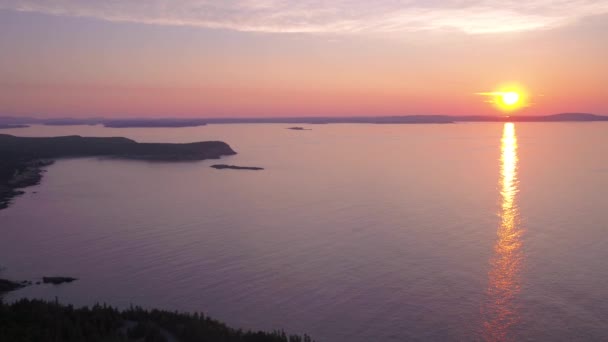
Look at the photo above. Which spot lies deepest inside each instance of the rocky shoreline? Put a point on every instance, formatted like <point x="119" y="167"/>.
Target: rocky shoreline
<point x="9" y="285"/>
<point x="25" y="174"/>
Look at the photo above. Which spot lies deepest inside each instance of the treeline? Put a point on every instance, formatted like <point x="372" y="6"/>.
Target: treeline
<point x="37" y="320"/>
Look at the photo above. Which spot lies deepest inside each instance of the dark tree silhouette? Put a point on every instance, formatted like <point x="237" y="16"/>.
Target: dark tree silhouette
<point x="37" y="320"/>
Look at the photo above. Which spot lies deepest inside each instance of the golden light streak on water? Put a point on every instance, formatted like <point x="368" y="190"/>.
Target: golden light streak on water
<point x="504" y="278"/>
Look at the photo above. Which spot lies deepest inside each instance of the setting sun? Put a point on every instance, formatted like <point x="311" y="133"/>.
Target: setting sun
<point x="510" y="98"/>
<point x="507" y="98"/>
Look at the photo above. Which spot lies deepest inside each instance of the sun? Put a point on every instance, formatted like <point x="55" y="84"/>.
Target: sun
<point x="510" y="98"/>
<point x="507" y="98"/>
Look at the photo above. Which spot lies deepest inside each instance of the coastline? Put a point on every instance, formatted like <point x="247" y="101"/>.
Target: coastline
<point x="23" y="159"/>
<point x="23" y="162"/>
<point x="25" y="174"/>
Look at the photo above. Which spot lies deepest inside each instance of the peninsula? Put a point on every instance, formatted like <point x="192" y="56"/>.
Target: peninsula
<point x="22" y="159"/>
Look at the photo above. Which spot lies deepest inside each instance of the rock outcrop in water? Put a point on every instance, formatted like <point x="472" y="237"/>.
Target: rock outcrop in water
<point x="22" y="158"/>
<point x="234" y="167"/>
<point x="9" y="285"/>
<point x="58" y="280"/>
<point x="299" y="129"/>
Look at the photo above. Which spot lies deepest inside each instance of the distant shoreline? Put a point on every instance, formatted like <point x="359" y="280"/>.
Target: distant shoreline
<point x="195" y="122"/>
<point x="10" y="126"/>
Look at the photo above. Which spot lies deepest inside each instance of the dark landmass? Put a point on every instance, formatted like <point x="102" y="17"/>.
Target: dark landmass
<point x="22" y="159"/>
<point x="70" y="122"/>
<point x="234" y="167"/>
<point x="8" y="286"/>
<point x="399" y="119"/>
<point x="15" y="148"/>
<point x="564" y="117"/>
<point x="410" y="119"/>
<point x="414" y="119"/>
<point x="141" y="123"/>
<point x="57" y="280"/>
<point x="7" y="126"/>
<point x="126" y="123"/>
<point x="299" y="129"/>
<point x="16" y="122"/>
<point x="16" y="173"/>
<point x="36" y="320"/>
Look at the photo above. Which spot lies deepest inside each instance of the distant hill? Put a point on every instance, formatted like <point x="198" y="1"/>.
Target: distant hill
<point x="137" y="123"/>
<point x="8" y="126"/>
<point x="408" y="119"/>
<point x="576" y="117"/>
<point x="564" y="117"/>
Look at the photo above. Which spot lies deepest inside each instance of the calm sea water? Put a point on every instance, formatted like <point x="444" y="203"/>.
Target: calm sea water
<point x="352" y="233"/>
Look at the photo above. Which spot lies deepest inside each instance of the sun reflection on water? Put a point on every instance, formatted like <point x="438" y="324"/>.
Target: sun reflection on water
<point x="500" y="310"/>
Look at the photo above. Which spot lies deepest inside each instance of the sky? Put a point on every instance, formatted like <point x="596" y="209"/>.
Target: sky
<point x="254" y="58"/>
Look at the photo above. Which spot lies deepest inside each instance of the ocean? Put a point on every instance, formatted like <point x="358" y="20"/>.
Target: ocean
<point x="353" y="232"/>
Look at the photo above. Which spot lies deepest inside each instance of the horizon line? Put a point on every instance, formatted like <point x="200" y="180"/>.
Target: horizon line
<point x="37" y="117"/>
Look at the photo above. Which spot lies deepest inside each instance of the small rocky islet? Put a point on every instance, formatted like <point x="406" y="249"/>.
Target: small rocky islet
<point x="58" y="280"/>
<point x="235" y="167"/>
<point x="299" y="129"/>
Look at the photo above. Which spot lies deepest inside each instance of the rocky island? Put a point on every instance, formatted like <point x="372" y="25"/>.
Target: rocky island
<point x="58" y="280"/>
<point x="299" y="129"/>
<point x="234" y="167"/>
<point x="22" y="159"/>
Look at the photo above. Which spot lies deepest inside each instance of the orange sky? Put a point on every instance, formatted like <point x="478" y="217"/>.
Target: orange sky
<point x="90" y="65"/>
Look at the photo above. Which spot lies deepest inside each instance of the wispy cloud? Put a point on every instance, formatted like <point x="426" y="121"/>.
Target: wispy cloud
<point x="338" y="16"/>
